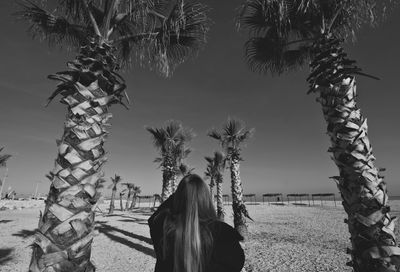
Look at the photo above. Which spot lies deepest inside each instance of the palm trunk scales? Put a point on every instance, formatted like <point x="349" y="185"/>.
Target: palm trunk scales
<point x="66" y="228"/>
<point x="128" y="198"/>
<point x="168" y="176"/>
<point x="364" y="194"/>
<point x="220" y="203"/>
<point x="239" y="209"/>
<point x="112" y="204"/>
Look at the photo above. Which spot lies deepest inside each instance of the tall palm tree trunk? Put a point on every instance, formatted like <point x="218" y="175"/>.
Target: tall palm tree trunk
<point x="120" y="202"/>
<point x="174" y="182"/>
<point x="364" y="194"/>
<point x="66" y="228"/>
<point x="238" y="207"/>
<point x="133" y="203"/>
<point x="220" y="203"/>
<point x="167" y="178"/>
<point x="112" y="201"/>
<point x="127" y="199"/>
<point x="3" y="182"/>
<point x="212" y="188"/>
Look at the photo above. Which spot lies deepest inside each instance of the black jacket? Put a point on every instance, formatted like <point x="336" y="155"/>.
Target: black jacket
<point x="227" y="255"/>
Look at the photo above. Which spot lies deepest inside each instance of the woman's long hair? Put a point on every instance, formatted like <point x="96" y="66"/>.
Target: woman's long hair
<point x="186" y="227"/>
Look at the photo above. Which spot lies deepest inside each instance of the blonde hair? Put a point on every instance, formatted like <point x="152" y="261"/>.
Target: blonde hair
<point x="187" y="226"/>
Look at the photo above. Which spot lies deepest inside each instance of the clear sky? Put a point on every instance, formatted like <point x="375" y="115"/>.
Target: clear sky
<point x="287" y="153"/>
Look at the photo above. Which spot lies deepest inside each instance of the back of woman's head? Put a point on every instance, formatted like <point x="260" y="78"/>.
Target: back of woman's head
<point x="193" y="196"/>
<point x="192" y="210"/>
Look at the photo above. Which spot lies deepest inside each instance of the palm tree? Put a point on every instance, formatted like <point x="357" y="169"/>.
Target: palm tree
<point x="209" y="175"/>
<point x="136" y="192"/>
<point x="121" y="194"/>
<point x="129" y="187"/>
<point x="3" y="163"/>
<point x="215" y="172"/>
<point x="233" y="135"/>
<point x="115" y="180"/>
<point x="284" y="36"/>
<point x="107" y="35"/>
<point x="171" y="140"/>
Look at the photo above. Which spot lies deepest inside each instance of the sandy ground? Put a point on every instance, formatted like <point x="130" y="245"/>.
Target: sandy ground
<point x="282" y="238"/>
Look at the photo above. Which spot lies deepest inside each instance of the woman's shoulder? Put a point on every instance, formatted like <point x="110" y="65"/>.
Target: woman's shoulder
<point x="222" y="231"/>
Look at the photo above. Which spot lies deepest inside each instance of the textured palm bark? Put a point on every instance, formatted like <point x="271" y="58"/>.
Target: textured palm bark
<point x="238" y="206"/>
<point x="220" y="203"/>
<point x="212" y="187"/>
<point x="363" y="190"/>
<point x="66" y="228"/>
<point x="3" y="182"/>
<point x="128" y="198"/>
<point x="168" y="174"/>
<point x="134" y="199"/>
<point x="112" y="206"/>
<point x="120" y="202"/>
<point x="174" y="182"/>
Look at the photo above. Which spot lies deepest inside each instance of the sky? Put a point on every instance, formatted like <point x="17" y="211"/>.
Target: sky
<point x="288" y="153"/>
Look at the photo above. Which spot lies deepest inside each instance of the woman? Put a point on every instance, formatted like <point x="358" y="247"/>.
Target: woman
<point x="187" y="235"/>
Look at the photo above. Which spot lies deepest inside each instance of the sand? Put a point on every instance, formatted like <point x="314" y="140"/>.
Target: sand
<point x="281" y="238"/>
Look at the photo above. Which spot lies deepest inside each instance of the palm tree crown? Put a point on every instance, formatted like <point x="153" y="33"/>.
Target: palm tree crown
<point x="282" y="33"/>
<point x="215" y="166"/>
<point x="159" y="34"/>
<point x="171" y="140"/>
<point x="115" y="180"/>
<point x="234" y="133"/>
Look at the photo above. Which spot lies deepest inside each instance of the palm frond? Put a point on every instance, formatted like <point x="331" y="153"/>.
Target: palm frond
<point x="73" y="8"/>
<point x="261" y="15"/>
<point x="233" y="134"/>
<point x="56" y="30"/>
<point x="264" y="54"/>
<point x="176" y="32"/>
<point x="214" y="134"/>
<point x="4" y="158"/>
<point x="282" y="32"/>
<point x="158" y="135"/>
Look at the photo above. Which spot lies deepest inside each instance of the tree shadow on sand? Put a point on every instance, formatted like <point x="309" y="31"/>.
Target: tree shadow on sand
<point x="108" y="229"/>
<point x="143" y="211"/>
<point x="24" y="233"/>
<point x="5" y="255"/>
<point x="129" y="219"/>
<point x="5" y="221"/>
<point x="134" y="220"/>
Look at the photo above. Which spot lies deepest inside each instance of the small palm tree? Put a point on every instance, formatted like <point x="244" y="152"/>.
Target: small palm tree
<point x="121" y="194"/>
<point x="171" y="141"/>
<point x="284" y="36"/>
<point x="115" y="180"/>
<point x="215" y="172"/>
<point x="233" y="135"/>
<point x="136" y="192"/>
<point x="3" y="163"/>
<point x="130" y="187"/>
<point x="107" y="35"/>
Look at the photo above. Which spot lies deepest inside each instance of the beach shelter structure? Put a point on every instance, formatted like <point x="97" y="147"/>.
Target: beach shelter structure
<point x="147" y="198"/>
<point x="226" y="199"/>
<point x="278" y="197"/>
<point x="250" y="197"/>
<point x="322" y="196"/>
<point x="298" y="197"/>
